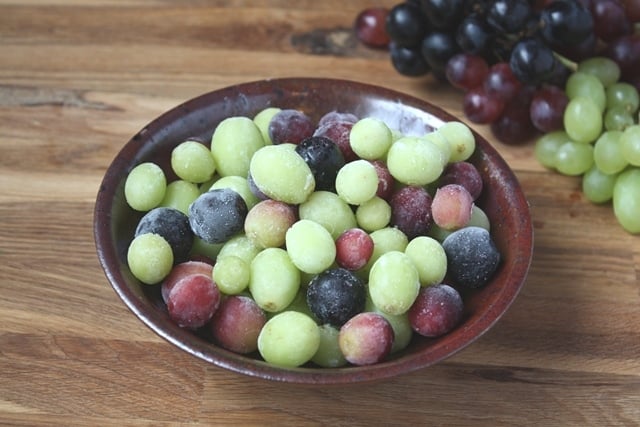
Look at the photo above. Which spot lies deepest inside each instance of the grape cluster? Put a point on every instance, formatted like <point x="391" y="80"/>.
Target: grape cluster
<point x="565" y="73"/>
<point x="512" y="58"/>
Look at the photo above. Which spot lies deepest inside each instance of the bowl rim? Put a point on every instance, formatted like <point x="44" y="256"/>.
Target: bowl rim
<point x="242" y="364"/>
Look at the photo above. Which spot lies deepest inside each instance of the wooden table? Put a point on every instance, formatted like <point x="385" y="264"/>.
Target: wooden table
<point x="78" y="79"/>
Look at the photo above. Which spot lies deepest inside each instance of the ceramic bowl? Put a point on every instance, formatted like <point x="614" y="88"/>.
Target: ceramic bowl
<point x="502" y="200"/>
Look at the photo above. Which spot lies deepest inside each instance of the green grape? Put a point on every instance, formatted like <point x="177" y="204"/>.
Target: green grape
<point x="479" y="218"/>
<point x="145" y="187"/>
<point x="626" y="200"/>
<point x="241" y="246"/>
<point x="310" y="246"/>
<point x="582" y="120"/>
<point x="460" y="138"/>
<point x="574" y="158"/>
<point x="547" y="146"/>
<point x="193" y="162"/>
<point x="624" y="95"/>
<point x="617" y="118"/>
<point x="231" y="274"/>
<point x="280" y="173"/>
<point x="373" y="214"/>
<point x="233" y="144"/>
<point x="607" y="153"/>
<point x="370" y="138"/>
<point x="384" y="240"/>
<point x="202" y="248"/>
<point x="597" y="186"/>
<point x="394" y="283"/>
<point x="150" y="258"/>
<point x="289" y="339"/>
<point x="329" y="210"/>
<point x="415" y="161"/>
<point x="329" y="354"/>
<point x="180" y="194"/>
<point x="630" y="144"/>
<point x="429" y="258"/>
<point x="357" y="182"/>
<point x="585" y="85"/>
<point x="605" y="69"/>
<point x="441" y="142"/>
<point x="240" y="185"/>
<point x="273" y="266"/>
<point x="262" y="120"/>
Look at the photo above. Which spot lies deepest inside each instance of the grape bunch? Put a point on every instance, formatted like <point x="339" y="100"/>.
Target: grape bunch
<point x="564" y="73"/>
<point x="512" y="58"/>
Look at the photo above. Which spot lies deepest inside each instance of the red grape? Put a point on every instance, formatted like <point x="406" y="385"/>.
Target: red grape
<point x="366" y="338"/>
<point x="437" y="310"/>
<point x="481" y="107"/>
<point x="237" y="323"/>
<point x="354" y="248"/>
<point x="466" y="71"/>
<point x="547" y="108"/>
<point x="370" y="27"/>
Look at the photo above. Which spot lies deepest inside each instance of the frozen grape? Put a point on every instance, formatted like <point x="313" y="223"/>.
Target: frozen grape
<point x="330" y="211"/>
<point x="238" y="184"/>
<point x="145" y="186"/>
<point x="357" y="182"/>
<point x="385" y="240"/>
<point x="267" y="223"/>
<point x="337" y="116"/>
<point x="231" y="274"/>
<point x="237" y="323"/>
<point x="290" y="126"/>
<point x="402" y="332"/>
<point x="437" y="310"/>
<point x="338" y="132"/>
<point x="366" y="338"/>
<point x="193" y="162"/>
<point x="181" y="270"/>
<point x="240" y="246"/>
<point x="150" y="258"/>
<point x="262" y="120"/>
<point x="415" y="161"/>
<point x="173" y="226"/>
<point x="179" y="195"/>
<point x="329" y="354"/>
<point x="373" y="214"/>
<point x="324" y="159"/>
<point x="370" y="138"/>
<point x="193" y="300"/>
<point x="465" y="174"/>
<point x="273" y="266"/>
<point x="336" y="295"/>
<point x="385" y="180"/>
<point x="203" y="251"/>
<point x="472" y="256"/>
<point x="429" y="258"/>
<point x="411" y="211"/>
<point x="393" y="282"/>
<point x="289" y="339"/>
<point x="281" y="174"/>
<point x="460" y="138"/>
<point x="217" y="215"/>
<point x="354" y="248"/>
<point x="310" y="246"/>
<point x="479" y="218"/>
<point x="233" y="143"/>
<point x="451" y="206"/>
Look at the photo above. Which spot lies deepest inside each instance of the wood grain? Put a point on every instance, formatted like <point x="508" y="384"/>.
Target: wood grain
<point x="78" y="79"/>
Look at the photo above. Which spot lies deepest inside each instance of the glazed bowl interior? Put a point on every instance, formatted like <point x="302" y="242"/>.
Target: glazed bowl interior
<point x="502" y="200"/>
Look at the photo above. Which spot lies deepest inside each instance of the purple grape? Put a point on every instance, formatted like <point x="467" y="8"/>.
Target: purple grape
<point x="472" y="257"/>
<point x="217" y="215"/>
<point x="336" y="295"/>
<point x="171" y="224"/>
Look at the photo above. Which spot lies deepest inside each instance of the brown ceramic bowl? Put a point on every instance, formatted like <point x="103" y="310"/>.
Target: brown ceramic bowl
<point x="502" y="200"/>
